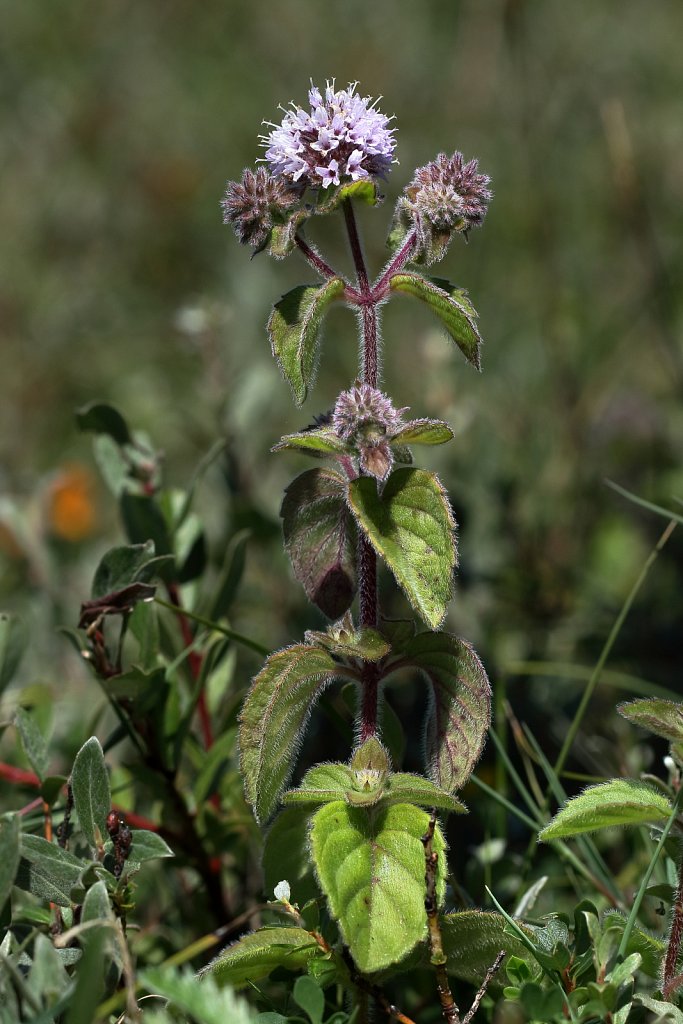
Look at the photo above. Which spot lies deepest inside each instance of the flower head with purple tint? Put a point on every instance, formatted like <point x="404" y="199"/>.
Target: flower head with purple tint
<point x="252" y="204"/>
<point x="342" y="139"/>
<point x="449" y="193"/>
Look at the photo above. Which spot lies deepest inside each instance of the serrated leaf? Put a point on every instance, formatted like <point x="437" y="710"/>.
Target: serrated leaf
<point x="273" y="717"/>
<point x="10" y="846"/>
<point x="32" y="741"/>
<point x="459" y="711"/>
<point x="411" y="527"/>
<point x="423" y="432"/>
<point x="255" y="955"/>
<point x="47" y="871"/>
<point x="450" y="304"/>
<point x="405" y="788"/>
<point x="90" y="787"/>
<point x="13" y="643"/>
<point x="662" y="717"/>
<point x="148" y="846"/>
<point x="101" y="418"/>
<point x="618" y="802"/>
<point x="294" y="328"/>
<point x="371" y="866"/>
<point x="320" y="538"/>
<point x="321" y="441"/>
<point x="472" y="940"/>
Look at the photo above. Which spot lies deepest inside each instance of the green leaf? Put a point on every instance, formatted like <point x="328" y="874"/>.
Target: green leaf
<point x="310" y="998"/>
<point x="452" y="307"/>
<point x="13" y="643"/>
<point x="320" y="538"/>
<point x="294" y="328"/>
<point x="273" y="717"/>
<point x="32" y="741"/>
<point x="423" y="432"/>
<point x="255" y="955"/>
<point x="651" y="948"/>
<point x="664" y="1012"/>
<point x="618" y="802"/>
<point x="285" y="855"/>
<point x="459" y="711"/>
<point x="90" y="786"/>
<point x="371" y="866"/>
<point x="10" y="846"/>
<point x="363" y="191"/>
<point x="89" y="979"/>
<point x="405" y="788"/>
<point x="662" y="717"/>
<point x="411" y="527"/>
<point x="321" y="784"/>
<point x="121" y="566"/>
<point x="144" y="521"/>
<point x="47" y="871"/>
<point x="472" y="939"/>
<point x="322" y="441"/>
<point x="148" y="846"/>
<point x="197" y="998"/>
<point x="48" y="976"/>
<point x="101" y="418"/>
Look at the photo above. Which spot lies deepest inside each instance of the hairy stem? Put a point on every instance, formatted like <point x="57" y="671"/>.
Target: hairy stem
<point x="449" y="1009"/>
<point x="670" y="981"/>
<point x="397" y="264"/>
<point x="367" y="559"/>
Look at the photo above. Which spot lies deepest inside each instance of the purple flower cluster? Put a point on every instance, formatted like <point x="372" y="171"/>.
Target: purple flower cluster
<point x="449" y="193"/>
<point x="343" y="138"/>
<point x="366" y="418"/>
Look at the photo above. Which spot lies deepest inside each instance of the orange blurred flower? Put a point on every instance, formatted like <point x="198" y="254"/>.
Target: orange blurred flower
<point x="70" y="507"/>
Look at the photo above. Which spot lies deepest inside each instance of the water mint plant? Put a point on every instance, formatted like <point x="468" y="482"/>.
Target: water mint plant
<point x="370" y="833"/>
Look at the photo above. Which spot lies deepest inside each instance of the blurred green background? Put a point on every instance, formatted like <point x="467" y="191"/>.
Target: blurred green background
<point x="122" y="122"/>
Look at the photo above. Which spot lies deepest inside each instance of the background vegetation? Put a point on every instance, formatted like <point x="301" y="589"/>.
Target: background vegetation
<point x="121" y="124"/>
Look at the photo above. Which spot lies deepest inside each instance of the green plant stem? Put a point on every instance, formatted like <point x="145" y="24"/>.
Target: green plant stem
<point x="449" y="1008"/>
<point x="645" y="881"/>
<point x="606" y="651"/>
<point x="194" y="659"/>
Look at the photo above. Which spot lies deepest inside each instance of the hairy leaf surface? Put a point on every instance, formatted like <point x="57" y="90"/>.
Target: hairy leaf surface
<point x="411" y="527"/>
<point x="255" y="955"/>
<point x="662" y="717"/>
<point x="320" y="538"/>
<point x="48" y="871"/>
<point x="371" y="866"/>
<point x="423" y="432"/>
<point x="294" y="328"/>
<point x="472" y="940"/>
<point x="10" y="845"/>
<point x="450" y="304"/>
<point x="618" y="802"/>
<point x="273" y="717"/>
<point x="90" y="786"/>
<point x="459" y="711"/>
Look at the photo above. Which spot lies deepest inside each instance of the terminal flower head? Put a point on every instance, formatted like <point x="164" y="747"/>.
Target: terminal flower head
<point x="343" y="138"/>
<point x="253" y="204"/>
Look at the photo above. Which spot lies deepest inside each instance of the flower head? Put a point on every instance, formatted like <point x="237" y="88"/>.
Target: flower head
<point x="343" y="138"/>
<point x="366" y="418"/>
<point x="253" y="204"/>
<point x="449" y="193"/>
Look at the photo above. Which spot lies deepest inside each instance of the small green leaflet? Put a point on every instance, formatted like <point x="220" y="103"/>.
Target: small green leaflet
<point x="260" y="952"/>
<point x="662" y="717"/>
<point x="411" y="527"/>
<point x="90" y="786"/>
<point x="618" y="802"/>
<point x="294" y="329"/>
